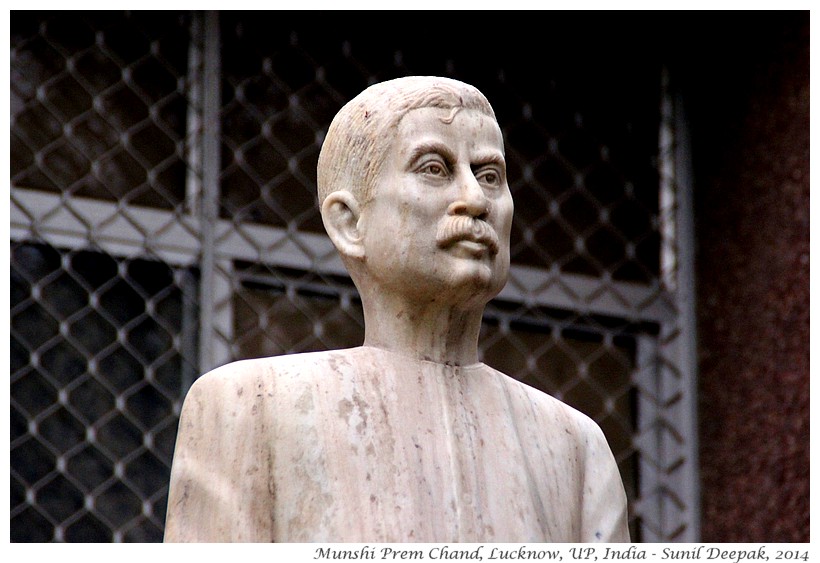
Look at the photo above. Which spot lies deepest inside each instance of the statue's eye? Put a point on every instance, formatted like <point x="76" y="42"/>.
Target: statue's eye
<point x="489" y="176"/>
<point x="434" y="169"/>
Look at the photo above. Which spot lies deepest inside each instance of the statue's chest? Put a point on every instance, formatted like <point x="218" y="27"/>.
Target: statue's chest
<point x="420" y="463"/>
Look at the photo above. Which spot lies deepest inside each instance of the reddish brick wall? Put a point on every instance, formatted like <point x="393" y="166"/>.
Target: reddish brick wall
<point x="750" y="126"/>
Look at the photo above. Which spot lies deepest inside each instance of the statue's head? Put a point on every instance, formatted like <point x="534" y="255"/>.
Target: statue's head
<point x="363" y="131"/>
<point x="413" y="188"/>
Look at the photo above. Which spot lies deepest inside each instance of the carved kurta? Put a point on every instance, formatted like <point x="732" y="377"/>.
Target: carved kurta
<point x="363" y="445"/>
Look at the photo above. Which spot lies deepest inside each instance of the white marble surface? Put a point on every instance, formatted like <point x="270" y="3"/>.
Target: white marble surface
<point x="395" y="450"/>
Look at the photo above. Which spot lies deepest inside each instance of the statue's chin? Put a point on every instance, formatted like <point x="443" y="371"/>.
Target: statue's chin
<point x="475" y="284"/>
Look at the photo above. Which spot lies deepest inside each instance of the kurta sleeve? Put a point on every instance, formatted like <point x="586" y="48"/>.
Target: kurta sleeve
<point x="604" y="517"/>
<point x="195" y="496"/>
<point x="210" y="498"/>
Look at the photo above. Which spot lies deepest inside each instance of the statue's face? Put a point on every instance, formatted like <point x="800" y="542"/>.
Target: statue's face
<point x="439" y="221"/>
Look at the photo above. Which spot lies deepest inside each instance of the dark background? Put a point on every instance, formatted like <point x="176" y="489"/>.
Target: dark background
<point x="746" y="80"/>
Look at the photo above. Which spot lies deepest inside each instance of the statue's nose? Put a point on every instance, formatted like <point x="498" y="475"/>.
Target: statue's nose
<point x="471" y="199"/>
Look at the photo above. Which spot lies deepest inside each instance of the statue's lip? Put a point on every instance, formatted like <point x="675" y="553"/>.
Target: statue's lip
<point x="471" y="232"/>
<point x="475" y="243"/>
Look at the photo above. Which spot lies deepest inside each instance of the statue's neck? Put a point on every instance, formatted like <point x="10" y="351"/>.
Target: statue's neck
<point x="446" y="335"/>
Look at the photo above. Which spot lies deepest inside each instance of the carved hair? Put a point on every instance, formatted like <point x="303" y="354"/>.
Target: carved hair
<point x="362" y="133"/>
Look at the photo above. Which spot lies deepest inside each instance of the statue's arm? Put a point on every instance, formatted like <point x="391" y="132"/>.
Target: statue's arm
<point x="200" y="488"/>
<point x="604" y="505"/>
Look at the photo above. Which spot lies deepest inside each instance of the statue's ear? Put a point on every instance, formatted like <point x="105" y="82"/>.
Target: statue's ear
<point x="340" y="214"/>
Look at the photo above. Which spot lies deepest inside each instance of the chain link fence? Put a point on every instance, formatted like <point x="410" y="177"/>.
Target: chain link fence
<point x="164" y="221"/>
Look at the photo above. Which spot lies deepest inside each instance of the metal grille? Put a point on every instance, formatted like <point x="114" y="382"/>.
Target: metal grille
<point x="164" y="222"/>
<point x="97" y="372"/>
<point x="101" y="324"/>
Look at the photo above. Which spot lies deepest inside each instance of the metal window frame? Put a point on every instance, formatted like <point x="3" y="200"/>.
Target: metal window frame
<point x="666" y="370"/>
<point x="665" y="374"/>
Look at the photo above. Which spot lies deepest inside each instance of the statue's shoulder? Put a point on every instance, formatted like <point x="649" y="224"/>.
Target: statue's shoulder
<point x="554" y="412"/>
<point x="257" y="372"/>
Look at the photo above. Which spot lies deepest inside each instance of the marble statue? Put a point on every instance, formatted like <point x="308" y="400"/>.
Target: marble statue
<point x="407" y="438"/>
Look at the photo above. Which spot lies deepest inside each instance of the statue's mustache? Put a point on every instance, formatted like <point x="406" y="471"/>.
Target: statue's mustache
<point x="463" y="227"/>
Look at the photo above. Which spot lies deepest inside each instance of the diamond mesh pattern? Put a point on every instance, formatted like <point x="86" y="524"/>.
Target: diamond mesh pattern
<point x="98" y="106"/>
<point x="96" y="382"/>
<point x="107" y="244"/>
